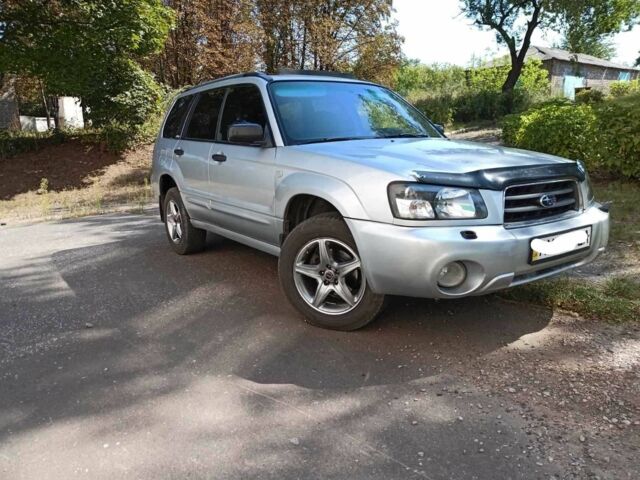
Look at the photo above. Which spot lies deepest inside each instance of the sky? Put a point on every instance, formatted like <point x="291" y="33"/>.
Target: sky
<point x="436" y="32"/>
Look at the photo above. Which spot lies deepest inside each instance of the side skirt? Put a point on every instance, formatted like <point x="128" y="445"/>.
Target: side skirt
<point x="251" y="242"/>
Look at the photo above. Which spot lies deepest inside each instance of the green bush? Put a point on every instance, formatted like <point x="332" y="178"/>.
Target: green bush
<point x="605" y="135"/>
<point x="589" y="97"/>
<point x="129" y="98"/>
<point x="623" y="88"/>
<point x="511" y="125"/>
<point x="438" y="109"/>
<point x="447" y="93"/>
<point x="619" y="135"/>
<point x="14" y="143"/>
<point x="565" y="130"/>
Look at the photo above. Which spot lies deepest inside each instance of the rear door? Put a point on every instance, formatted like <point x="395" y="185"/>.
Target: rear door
<point x="193" y="150"/>
<point x="243" y="184"/>
<point x="172" y="131"/>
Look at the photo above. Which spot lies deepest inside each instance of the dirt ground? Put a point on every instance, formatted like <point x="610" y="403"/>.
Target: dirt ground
<point x="72" y="179"/>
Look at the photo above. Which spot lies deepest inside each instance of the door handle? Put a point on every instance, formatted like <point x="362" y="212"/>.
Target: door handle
<point x="219" y="157"/>
<point x="179" y="152"/>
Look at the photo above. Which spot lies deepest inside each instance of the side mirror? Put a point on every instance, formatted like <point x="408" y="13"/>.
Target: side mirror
<point x="247" y="133"/>
<point x="439" y="127"/>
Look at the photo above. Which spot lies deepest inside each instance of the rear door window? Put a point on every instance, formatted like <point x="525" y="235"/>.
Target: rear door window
<point x="175" y="119"/>
<point x="204" y="119"/>
<point x="243" y="105"/>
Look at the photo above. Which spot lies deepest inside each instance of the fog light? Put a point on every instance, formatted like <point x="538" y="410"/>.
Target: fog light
<point x="452" y="275"/>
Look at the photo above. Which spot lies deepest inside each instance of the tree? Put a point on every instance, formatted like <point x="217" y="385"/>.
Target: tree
<point x="587" y="25"/>
<point x="87" y="48"/>
<point x="514" y="21"/>
<point x="580" y="39"/>
<point x="345" y="35"/>
<point x="210" y="39"/>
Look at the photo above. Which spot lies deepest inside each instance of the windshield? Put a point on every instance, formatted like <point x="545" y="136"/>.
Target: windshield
<point x="321" y="111"/>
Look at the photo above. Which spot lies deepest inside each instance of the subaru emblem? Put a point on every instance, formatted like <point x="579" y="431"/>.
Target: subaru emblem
<point x="548" y="201"/>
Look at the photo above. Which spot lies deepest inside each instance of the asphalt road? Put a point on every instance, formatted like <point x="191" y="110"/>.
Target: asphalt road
<point x="120" y="359"/>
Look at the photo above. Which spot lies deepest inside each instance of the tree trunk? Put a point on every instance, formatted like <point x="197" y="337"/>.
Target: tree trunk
<point x="46" y="106"/>
<point x="9" y="112"/>
<point x="518" y="57"/>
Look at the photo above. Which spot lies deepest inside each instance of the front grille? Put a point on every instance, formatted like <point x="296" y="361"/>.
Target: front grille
<point x="539" y="201"/>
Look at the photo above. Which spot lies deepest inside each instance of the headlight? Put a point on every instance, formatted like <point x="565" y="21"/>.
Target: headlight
<point x="416" y="201"/>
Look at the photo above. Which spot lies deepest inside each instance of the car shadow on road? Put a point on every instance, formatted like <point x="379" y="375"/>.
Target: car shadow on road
<point x="227" y="300"/>
<point x="123" y="324"/>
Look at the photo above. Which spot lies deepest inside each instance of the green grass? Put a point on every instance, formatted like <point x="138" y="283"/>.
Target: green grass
<point x="618" y="298"/>
<point x="615" y="301"/>
<point x="625" y="209"/>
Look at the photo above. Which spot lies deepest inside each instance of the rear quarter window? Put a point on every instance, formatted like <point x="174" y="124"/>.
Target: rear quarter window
<point x="175" y="119"/>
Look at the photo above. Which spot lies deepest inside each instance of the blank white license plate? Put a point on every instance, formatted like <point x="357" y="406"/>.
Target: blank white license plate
<point x="559" y="244"/>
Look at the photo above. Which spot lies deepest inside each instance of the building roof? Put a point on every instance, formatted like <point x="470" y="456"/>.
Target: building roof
<point x="548" y="53"/>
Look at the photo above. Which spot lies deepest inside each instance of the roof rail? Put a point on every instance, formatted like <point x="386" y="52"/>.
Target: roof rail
<point x="229" y="77"/>
<point x="318" y="73"/>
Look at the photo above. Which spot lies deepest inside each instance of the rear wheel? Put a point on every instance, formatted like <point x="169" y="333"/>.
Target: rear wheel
<point x="322" y="275"/>
<point x="183" y="237"/>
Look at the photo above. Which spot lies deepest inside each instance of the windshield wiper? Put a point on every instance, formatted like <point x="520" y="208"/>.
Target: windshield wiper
<point x="333" y="139"/>
<point x="406" y="135"/>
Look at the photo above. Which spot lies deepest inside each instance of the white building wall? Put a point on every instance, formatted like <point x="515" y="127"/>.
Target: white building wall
<point x="34" y="124"/>
<point x="70" y="113"/>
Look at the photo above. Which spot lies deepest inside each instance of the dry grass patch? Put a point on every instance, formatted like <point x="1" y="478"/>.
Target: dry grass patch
<point x="118" y="183"/>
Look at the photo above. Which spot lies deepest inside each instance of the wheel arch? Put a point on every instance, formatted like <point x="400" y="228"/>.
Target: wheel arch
<point x="165" y="182"/>
<point x="302" y="195"/>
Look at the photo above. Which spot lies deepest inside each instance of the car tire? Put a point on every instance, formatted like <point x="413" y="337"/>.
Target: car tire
<point x="183" y="237"/>
<point x="349" y="303"/>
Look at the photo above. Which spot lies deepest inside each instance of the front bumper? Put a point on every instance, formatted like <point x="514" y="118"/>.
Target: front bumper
<point x="406" y="260"/>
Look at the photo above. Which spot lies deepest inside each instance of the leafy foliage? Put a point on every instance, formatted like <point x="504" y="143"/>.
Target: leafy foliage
<point x="588" y="25"/>
<point x="87" y="48"/>
<point x="210" y="40"/>
<point x="343" y="35"/>
<point x="590" y="96"/>
<point x="447" y="93"/>
<point x="514" y="22"/>
<point x="563" y="130"/>
<point x="439" y="109"/>
<point x="14" y="143"/>
<point x="619" y="134"/>
<point x="622" y="88"/>
<point x="606" y="134"/>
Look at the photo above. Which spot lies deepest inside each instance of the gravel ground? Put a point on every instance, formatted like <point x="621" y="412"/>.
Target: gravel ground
<point x="119" y="359"/>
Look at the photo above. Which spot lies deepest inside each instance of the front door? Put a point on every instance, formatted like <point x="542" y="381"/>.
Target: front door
<point x="570" y="84"/>
<point x="242" y="180"/>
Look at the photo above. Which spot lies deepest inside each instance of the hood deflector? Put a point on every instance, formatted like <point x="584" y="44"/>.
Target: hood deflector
<point x="499" y="178"/>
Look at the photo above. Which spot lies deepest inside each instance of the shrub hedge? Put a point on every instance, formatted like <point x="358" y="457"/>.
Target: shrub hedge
<point x="448" y="93"/>
<point x="606" y="135"/>
<point x="14" y="143"/>
<point x="624" y="88"/>
<point x="618" y="126"/>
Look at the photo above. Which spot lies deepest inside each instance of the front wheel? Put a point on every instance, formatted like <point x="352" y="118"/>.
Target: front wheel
<point x="322" y="275"/>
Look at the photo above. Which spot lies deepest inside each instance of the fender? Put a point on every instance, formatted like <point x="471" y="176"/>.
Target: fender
<point x="331" y="189"/>
<point x="167" y="166"/>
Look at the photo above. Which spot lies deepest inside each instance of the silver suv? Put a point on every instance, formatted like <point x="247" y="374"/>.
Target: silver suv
<point x="361" y="196"/>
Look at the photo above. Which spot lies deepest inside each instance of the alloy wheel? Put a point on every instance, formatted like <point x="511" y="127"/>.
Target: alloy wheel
<point x="174" y="221"/>
<point x="328" y="276"/>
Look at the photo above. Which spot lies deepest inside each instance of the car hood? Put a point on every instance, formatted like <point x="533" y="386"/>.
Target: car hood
<point x="442" y="155"/>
